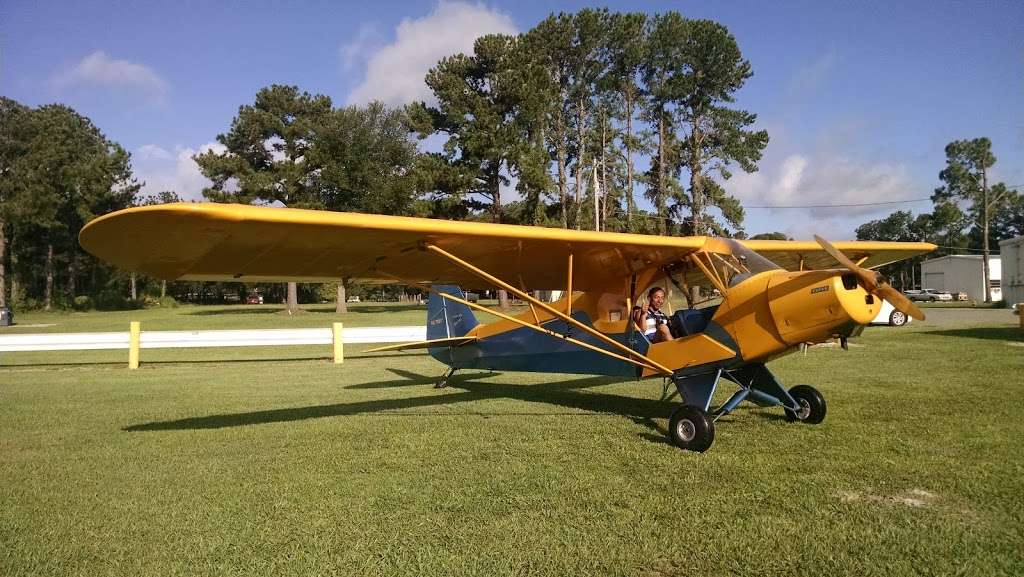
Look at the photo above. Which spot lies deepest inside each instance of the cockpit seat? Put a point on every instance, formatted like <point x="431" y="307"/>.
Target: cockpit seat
<point x="691" y="321"/>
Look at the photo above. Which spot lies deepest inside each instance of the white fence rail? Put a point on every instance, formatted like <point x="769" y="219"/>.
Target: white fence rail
<point x="336" y="336"/>
<point x="200" y="339"/>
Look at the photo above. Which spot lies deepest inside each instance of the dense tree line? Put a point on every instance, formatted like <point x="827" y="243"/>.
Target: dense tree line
<point x="295" y="149"/>
<point x="569" y="109"/>
<point x="57" y="172"/>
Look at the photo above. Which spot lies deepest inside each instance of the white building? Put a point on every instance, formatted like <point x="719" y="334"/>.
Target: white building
<point x="1012" y="253"/>
<point x="962" y="273"/>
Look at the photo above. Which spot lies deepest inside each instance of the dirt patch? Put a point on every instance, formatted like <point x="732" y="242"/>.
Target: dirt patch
<point x="914" y="498"/>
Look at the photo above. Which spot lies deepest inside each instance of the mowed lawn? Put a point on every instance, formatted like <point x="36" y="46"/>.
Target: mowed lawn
<point x="278" y="462"/>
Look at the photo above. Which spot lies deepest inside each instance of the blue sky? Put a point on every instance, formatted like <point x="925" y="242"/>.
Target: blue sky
<point x="859" y="98"/>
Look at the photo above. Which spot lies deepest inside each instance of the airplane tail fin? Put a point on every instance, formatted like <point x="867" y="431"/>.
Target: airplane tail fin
<point x="447" y="319"/>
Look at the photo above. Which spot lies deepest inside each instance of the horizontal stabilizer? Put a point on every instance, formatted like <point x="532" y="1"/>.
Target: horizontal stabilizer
<point x="449" y="342"/>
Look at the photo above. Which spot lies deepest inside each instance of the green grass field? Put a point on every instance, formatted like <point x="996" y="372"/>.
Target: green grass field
<point x="277" y="462"/>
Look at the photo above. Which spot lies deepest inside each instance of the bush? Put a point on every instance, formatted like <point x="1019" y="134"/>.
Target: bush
<point x="167" y="302"/>
<point x="24" y="303"/>
<point x="82" y="303"/>
<point x="113" y="301"/>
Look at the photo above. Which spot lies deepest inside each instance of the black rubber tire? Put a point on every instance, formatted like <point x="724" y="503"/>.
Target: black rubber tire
<point x="691" y="428"/>
<point x="897" y="318"/>
<point x="813" y="405"/>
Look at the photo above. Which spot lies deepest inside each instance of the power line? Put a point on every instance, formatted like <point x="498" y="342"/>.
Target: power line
<point x="842" y="205"/>
<point x="991" y="252"/>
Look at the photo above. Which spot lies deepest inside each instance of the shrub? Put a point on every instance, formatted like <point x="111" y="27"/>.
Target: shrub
<point x="82" y="303"/>
<point x="113" y="301"/>
<point x="167" y="302"/>
<point x="25" y="304"/>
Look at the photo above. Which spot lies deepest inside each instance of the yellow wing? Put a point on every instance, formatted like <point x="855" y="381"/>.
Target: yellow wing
<point x="250" y="243"/>
<point x="808" y="254"/>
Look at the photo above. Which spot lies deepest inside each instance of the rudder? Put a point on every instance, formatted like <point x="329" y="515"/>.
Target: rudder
<point x="445" y="318"/>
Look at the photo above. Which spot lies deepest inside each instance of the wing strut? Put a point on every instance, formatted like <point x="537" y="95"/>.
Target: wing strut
<point x="640" y="363"/>
<point x="568" y="290"/>
<point x="644" y="360"/>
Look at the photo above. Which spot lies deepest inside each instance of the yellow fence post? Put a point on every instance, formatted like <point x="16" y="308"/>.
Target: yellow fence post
<point x="134" y="331"/>
<point x="339" y="344"/>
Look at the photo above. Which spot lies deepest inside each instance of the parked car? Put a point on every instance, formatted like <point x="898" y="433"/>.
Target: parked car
<point x="254" y="300"/>
<point x="888" y="315"/>
<point x="929" y="295"/>
<point x="353" y="299"/>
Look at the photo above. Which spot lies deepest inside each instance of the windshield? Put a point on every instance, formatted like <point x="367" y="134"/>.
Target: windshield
<point x="727" y="260"/>
<point x="750" y="260"/>
<point x="736" y="263"/>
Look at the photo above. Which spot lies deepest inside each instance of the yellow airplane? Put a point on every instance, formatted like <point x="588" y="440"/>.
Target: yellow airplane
<point x="767" y="297"/>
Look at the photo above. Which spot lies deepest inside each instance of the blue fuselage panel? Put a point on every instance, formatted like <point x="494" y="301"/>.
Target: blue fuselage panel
<point x="527" y="350"/>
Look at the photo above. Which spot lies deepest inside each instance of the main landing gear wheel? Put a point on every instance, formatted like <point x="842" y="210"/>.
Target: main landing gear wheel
<point x="812" y="405"/>
<point x="897" y="318"/>
<point x="691" y="428"/>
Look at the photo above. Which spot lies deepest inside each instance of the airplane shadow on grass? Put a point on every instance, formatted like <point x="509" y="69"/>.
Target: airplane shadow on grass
<point x="567" y="394"/>
<point x="1012" y="334"/>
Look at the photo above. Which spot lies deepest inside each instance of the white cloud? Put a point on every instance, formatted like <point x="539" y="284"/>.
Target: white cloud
<point x="395" y="73"/>
<point x="178" y="173"/>
<point x="367" y="39"/>
<point x="802" y="180"/>
<point x="152" y="151"/>
<point x="790" y="174"/>
<point x="100" y="70"/>
<point x="821" y="179"/>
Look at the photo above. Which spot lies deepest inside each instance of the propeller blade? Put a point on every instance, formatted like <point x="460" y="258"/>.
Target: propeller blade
<point x="836" y="253"/>
<point x="873" y="282"/>
<point x="899" y="301"/>
<point x="868" y="279"/>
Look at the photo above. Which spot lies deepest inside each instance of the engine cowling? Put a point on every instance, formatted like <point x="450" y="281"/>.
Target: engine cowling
<point x="814" y="306"/>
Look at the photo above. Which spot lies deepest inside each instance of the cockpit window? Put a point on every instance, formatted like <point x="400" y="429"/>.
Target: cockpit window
<point x="742" y="264"/>
<point x="750" y="260"/>
<point x="728" y="261"/>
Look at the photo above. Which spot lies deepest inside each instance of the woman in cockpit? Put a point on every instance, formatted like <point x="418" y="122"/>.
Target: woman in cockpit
<point x="651" y="319"/>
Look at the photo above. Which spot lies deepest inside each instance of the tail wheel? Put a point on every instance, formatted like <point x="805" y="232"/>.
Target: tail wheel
<point x="691" y="428"/>
<point x="812" y="405"/>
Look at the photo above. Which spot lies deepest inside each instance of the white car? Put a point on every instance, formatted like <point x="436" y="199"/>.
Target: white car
<point x="888" y="315"/>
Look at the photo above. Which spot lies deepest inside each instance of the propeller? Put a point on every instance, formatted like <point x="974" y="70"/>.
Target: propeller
<point x="874" y="282"/>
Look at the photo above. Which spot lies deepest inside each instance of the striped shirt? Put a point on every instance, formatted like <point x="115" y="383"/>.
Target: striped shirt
<point x="655" y="317"/>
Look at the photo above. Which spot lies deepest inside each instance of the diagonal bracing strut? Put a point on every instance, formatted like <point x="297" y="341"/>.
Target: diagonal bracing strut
<point x="546" y="331"/>
<point x="643" y="359"/>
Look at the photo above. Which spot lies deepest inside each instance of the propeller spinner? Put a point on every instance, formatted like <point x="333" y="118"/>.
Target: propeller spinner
<point x="873" y="282"/>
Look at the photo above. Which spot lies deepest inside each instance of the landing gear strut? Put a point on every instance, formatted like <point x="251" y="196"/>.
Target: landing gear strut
<point x="692" y="426"/>
<point x="443" y="381"/>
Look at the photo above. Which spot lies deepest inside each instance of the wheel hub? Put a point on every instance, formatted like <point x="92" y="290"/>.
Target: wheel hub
<point x="805" y="409"/>
<point x="686" y="430"/>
